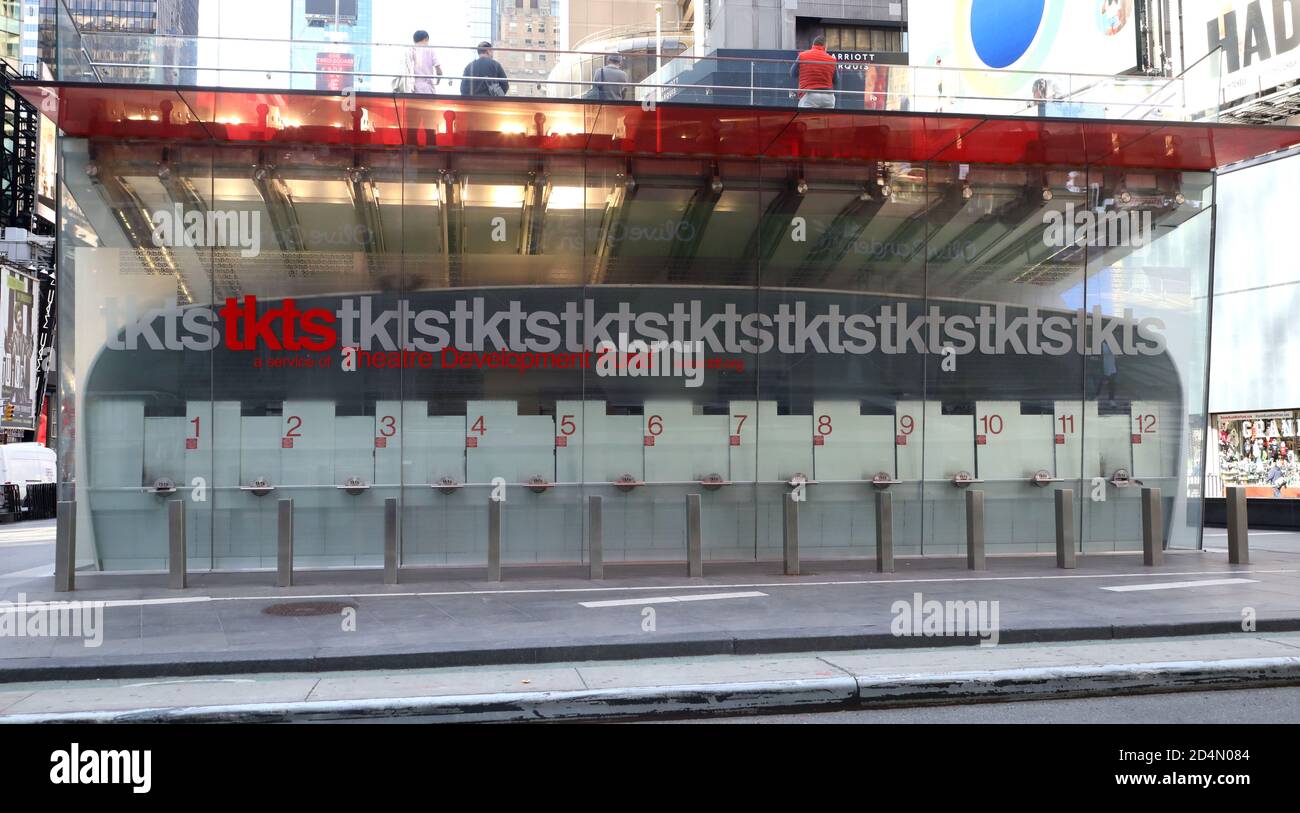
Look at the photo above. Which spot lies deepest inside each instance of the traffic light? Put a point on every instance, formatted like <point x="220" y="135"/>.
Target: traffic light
<point x="9" y="412"/>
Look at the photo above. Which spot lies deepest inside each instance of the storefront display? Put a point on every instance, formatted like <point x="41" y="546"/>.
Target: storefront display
<point x="1258" y="450"/>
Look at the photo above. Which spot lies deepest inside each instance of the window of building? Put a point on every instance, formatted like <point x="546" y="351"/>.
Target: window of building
<point x="863" y="38"/>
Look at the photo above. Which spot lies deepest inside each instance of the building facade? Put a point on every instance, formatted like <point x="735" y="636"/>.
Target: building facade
<point x="532" y="27"/>
<point x="125" y="31"/>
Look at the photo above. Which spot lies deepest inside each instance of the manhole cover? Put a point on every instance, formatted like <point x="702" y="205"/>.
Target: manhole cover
<point x="305" y="608"/>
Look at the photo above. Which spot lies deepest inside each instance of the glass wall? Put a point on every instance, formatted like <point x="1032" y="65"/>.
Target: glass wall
<point x="340" y="326"/>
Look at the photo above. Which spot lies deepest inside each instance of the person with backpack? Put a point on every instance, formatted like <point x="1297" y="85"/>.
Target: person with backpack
<point x="484" y="76"/>
<point x="610" y="80"/>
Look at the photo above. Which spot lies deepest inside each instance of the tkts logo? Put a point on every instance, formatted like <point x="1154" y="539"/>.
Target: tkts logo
<point x="282" y="328"/>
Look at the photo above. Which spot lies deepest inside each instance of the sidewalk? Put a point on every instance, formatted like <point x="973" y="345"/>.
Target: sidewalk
<point x="230" y="625"/>
<point x="680" y="687"/>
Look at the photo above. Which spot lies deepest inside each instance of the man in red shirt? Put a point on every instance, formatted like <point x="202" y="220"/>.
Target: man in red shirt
<point x="816" y="71"/>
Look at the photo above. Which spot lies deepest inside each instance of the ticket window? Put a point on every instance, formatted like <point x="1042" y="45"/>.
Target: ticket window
<point x="784" y="442"/>
<point x="126" y="526"/>
<point x="1107" y="443"/>
<point x="1010" y="445"/>
<point x="499" y="442"/>
<point x="307" y="439"/>
<point x="225" y="439"/>
<point x="1155" y="440"/>
<point x="439" y="527"/>
<point x="1010" y="448"/>
<point x="613" y="445"/>
<point x="683" y="445"/>
<point x="354" y="449"/>
<point x="949" y="450"/>
<point x="1112" y="523"/>
<point x="849" y="446"/>
<point x="116" y="443"/>
<point x="949" y="443"/>
<point x="432" y="446"/>
<point x="164" y="451"/>
<point x="259" y="449"/>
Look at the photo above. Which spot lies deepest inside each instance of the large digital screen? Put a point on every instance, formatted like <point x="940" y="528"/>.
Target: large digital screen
<point x="1047" y="36"/>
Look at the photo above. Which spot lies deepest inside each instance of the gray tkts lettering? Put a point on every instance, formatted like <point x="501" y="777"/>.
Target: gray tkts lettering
<point x="794" y="328"/>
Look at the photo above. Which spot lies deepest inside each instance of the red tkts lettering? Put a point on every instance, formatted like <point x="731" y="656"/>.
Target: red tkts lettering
<point x="246" y="330"/>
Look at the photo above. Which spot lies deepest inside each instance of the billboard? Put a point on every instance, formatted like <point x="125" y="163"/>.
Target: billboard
<point x="1259" y="40"/>
<point x="18" y="378"/>
<point x="1040" y="36"/>
<point x="334" y="70"/>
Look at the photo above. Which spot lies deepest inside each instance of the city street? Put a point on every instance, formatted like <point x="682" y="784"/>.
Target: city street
<point x="1244" y="707"/>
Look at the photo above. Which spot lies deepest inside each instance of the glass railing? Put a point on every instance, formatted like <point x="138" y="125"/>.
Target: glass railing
<point x="677" y="79"/>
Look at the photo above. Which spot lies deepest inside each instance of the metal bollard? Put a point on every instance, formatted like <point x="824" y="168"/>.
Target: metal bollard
<point x="391" y="535"/>
<point x="1238" y="527"/>
<point x="1065" y="543"/>
<point x="494" y="540"/>
<point x="884" y="532"/>
<point x="694" y="542"/>
<point x="1153" y="532"/>
<point x="65" y="547"/>
<point x="790" y="535"/>
<point x="595" y="539"/>
<point x="176" y="544"/>
<point x="975" y="530"/>
<point x="284" y="557"/>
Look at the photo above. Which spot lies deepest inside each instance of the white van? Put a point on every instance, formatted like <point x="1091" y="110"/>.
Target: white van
<point x="23" y="463"/>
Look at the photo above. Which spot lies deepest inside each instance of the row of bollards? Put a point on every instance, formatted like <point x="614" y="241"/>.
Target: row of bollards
<point x="1152" y="536"/>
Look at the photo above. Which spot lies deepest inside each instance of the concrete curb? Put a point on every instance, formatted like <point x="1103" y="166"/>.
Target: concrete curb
<point x="774" y="642"/>
<point x="822" y="694"/>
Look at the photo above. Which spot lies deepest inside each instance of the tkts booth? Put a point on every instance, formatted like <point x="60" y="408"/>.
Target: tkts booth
<point x="458" y="303"/>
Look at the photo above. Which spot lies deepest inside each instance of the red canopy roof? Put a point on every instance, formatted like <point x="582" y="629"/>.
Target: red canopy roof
<point x="385" y="120"/>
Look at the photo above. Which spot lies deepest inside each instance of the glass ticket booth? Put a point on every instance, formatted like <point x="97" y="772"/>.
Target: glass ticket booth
<point x="343" y="324"/>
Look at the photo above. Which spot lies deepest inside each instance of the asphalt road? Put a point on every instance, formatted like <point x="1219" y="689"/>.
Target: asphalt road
<point x="1200" y="708"/>
<point x="27" y="549"/>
